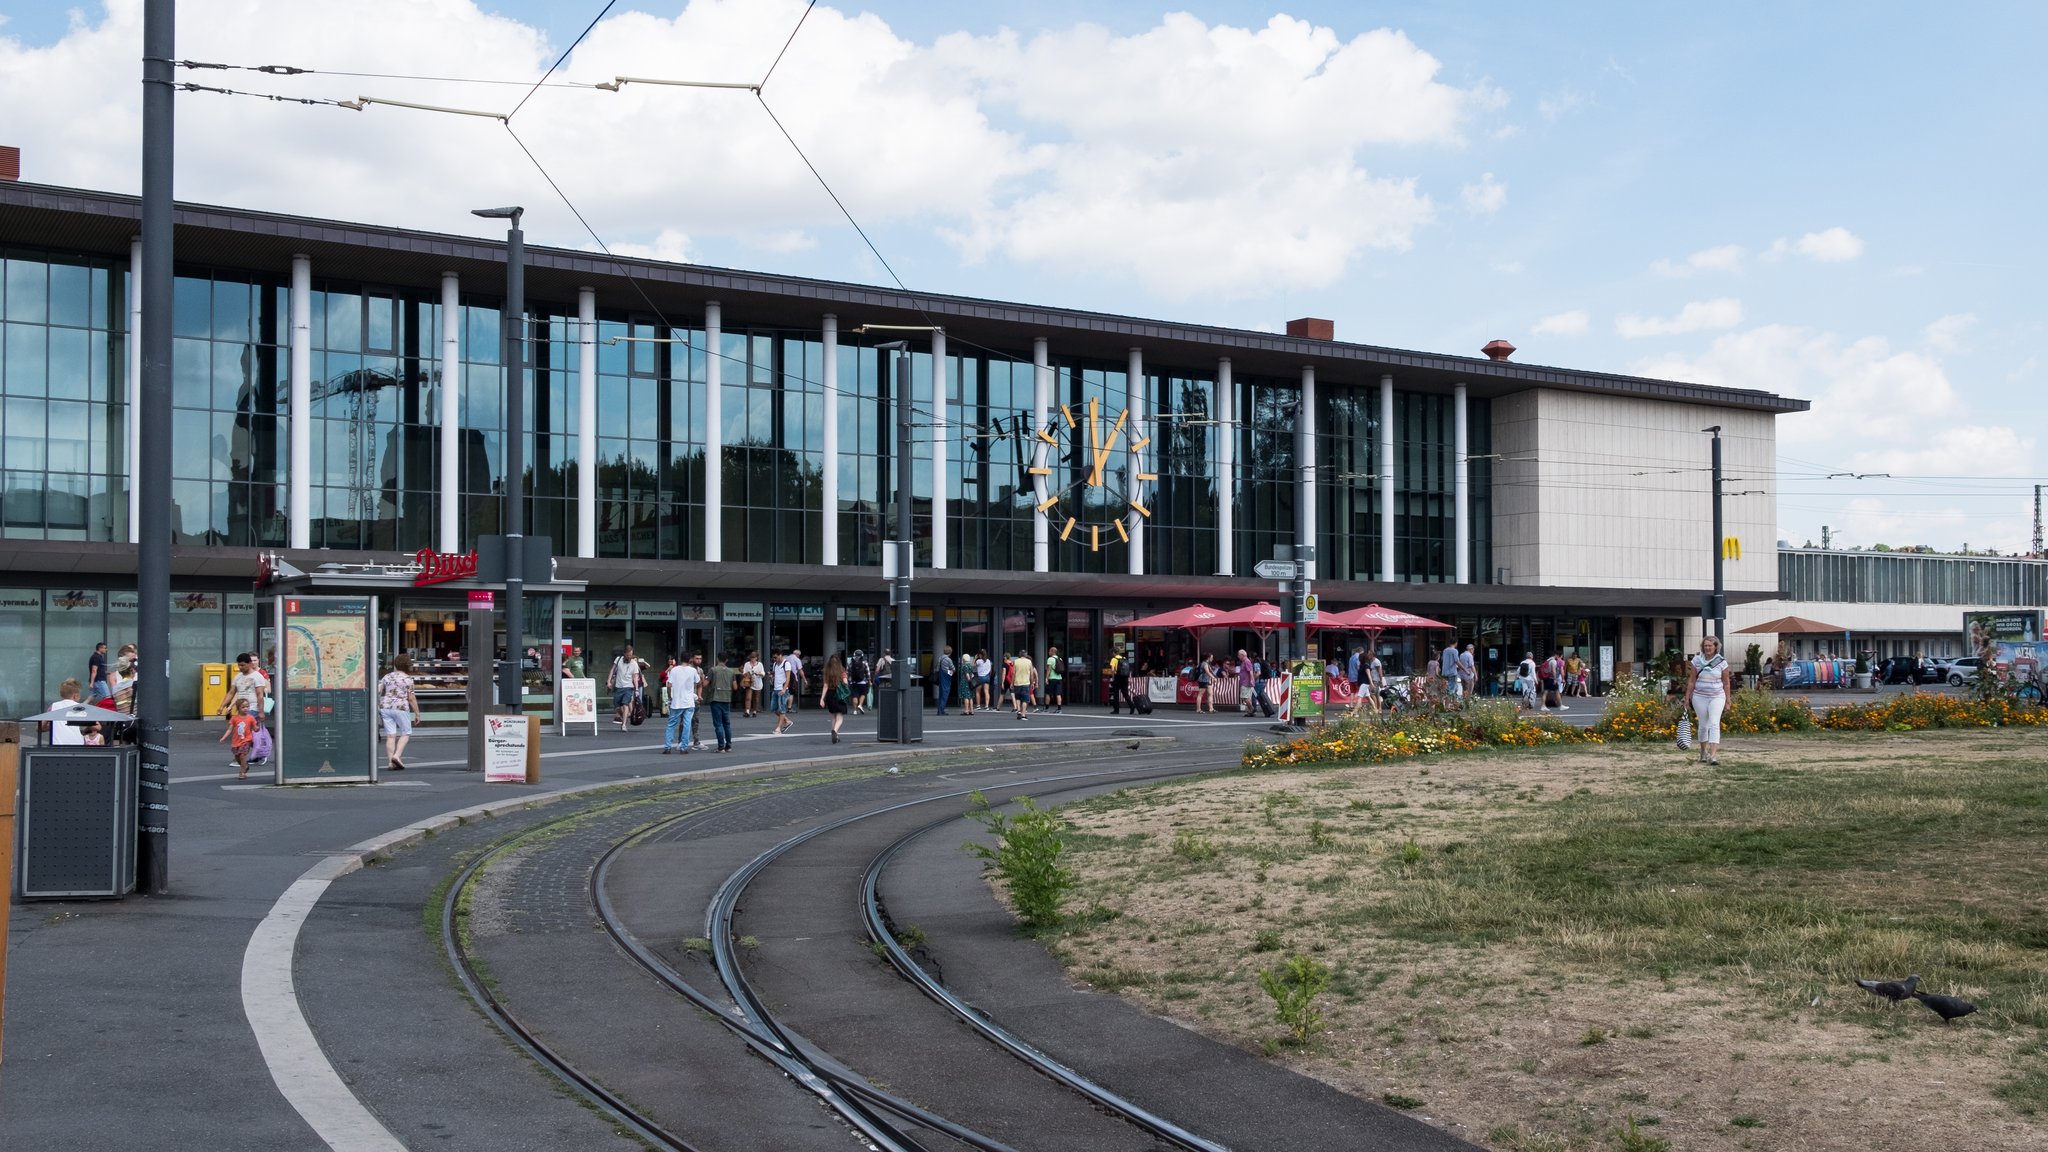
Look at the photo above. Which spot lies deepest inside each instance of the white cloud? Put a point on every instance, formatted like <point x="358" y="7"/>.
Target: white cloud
<point x="1557" y="107"/>
<point x="1484" y="198"/>
<point x="1833" y="246"/>
<point x="1572" y="323"/>
<point x="1725" y="258"/>
<point x="1700" y="315"/>
<point x="1510" y="268"/>
<point x="672" y="245"/>
<point x="1946" y="332"/>
<point x="1194" y="158"/>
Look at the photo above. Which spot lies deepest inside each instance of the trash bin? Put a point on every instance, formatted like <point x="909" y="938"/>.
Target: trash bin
<point x="75" y="820"/>
<point x="213" y="689"/>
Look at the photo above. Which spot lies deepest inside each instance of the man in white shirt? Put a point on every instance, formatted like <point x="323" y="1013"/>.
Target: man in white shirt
<point x="683" y="682"/>
<point x="789" y="675"/>
<point x="68" y="696"/>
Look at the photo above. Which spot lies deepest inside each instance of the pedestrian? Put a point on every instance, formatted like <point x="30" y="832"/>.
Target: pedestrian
<point x="833" y="692"/>
<point x="240" y="736"/>
<point x="723" y="677"/>
<point x="1468" y="671"/>
<point x="1055" y="682"/>
<point x="126" y="663"/>
<point x="627" y="682"/>
<point x="1447" y="667"/>
<point x="782" y="684"/>
<point x="682" y="683"/>
<point x="249" y="686"/>
<point x="1205" y="685"/>
<point x="753" y="677"/>
<point x="400" y="708"/>
<point x="885" y="670"/>
<point x="1375" y="681"/>
<point x="1553" y="684"/>
<point x="96" y="672"/>
<point x="857" y="672"/>
<point x="799" y="680"/>
<point x="1571" y="673"/>
<point x="1119" y="682"/>
<point x="1707" y="688"/>
<point x="984" y="673"/>
<point x="945" y="669"/>
<point x="1023" y="678"/>
<point x="1247" y="684"/>
<point x="68" y="693"/>
<point x="1525" y="681"/>
<point x="666" y="710"/>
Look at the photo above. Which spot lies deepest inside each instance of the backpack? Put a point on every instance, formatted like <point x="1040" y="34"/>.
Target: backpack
<point x="859" y="670"/>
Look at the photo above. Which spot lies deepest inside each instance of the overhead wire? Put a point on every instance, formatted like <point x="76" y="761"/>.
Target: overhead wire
<point x="558" y="60"/>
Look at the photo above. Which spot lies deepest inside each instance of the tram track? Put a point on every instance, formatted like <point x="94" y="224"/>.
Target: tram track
<point x="881" y="1119"/>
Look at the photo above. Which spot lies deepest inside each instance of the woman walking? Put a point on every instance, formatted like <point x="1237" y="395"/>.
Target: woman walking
<point x="400" y="708"/>
<point x="753" y="677"/>
<point x="833" y="692"/>
<point x="1205" y="685"/>
<point x="1707" y="689"/>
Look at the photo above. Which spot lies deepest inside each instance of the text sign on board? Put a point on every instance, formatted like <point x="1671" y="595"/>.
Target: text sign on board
<point x="579" y="702"/>
<point x="326" y="707"/>
<point x="505" y="749"/>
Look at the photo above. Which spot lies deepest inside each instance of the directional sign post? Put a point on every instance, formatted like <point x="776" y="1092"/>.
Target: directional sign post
<point x="1275" y="569"/>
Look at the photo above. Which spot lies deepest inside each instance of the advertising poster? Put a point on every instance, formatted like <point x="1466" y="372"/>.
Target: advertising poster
<point x="1981" y="628"/>
<point x="326" y="711"/>
<point x="505" y="740"/>
<point x="579" y="702"/>
<point x="1308" y="689"/>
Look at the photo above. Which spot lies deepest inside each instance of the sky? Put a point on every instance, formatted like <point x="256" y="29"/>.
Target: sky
<point x="1832" y="201"/>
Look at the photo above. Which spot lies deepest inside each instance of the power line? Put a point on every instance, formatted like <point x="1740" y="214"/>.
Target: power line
<point x="785" y="45"/>
<point x="189" y="87"/>
<point x="290" y="70"/>
<point x="557" y="64"/>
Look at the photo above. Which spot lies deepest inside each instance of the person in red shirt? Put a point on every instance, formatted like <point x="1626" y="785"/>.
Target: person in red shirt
<point x="241" y="737"/>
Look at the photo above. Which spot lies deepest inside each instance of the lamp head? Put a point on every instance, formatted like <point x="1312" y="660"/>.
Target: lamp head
<point x="893" y="346"/>
<point x="511" y="214"/>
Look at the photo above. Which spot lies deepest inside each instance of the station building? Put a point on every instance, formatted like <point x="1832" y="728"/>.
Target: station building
<point x="1891" y="603"/>
<point x="339" y="399"/>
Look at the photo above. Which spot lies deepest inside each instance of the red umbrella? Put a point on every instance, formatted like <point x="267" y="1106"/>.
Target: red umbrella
<point x="1374" y="618"/>
<point x="1261" y="618"/>
<point x="1194" y="618"/>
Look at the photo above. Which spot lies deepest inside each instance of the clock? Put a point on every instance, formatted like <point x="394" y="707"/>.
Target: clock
<point x="1081" y="454"/>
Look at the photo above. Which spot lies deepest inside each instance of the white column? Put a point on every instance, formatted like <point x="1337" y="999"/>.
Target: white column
<point x="830" y="497"/>
<point x="586" y="421"/>
<point x="299" y="499"/>
<point x="449" y="498"/>
<point x="1387" y="478"/>
<point x="133" y="463"/>
<point x="1226" y="470"/>
<point x="1137" y="437"/>
<point x="714" y="437"/>
<point x="1459" y="445"/>
<point x="941" y="446"/>
<point x="1305" y="476"/>
<point x="1041" y="409"/>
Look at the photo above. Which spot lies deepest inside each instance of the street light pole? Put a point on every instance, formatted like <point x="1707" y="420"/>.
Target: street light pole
<point x="902" y="718"/>
<point x="153" y="465"/>
<point x="1719" y="604"/>
<point x="511" y="679"/>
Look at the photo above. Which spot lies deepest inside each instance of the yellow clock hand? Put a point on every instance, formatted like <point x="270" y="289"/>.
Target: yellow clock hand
<point x="1103" y="452"/>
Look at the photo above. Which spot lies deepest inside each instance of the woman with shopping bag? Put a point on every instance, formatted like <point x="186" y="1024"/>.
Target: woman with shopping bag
<point x="1708" y="686"/>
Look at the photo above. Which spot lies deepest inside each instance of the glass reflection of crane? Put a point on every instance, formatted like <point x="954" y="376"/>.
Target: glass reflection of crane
<point x="359" y="388"/>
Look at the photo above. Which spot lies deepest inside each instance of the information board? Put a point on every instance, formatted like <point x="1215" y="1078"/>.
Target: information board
<point x="579" y="702"/>
<point x="326" y="689"/>
<point x="505" y="739"/>
<point x="1308" y="689"/>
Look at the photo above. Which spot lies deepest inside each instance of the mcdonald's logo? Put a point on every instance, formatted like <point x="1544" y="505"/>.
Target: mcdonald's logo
<point x="1731" y="548"/>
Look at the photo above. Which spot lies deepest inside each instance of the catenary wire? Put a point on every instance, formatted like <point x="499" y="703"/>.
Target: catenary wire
<point x="291" y="70"/>
<point x="558" y="60"/>
<point x="785" y="45"/>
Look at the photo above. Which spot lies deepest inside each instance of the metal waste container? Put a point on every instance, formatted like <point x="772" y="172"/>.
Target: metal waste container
<point x="75" y="816"/>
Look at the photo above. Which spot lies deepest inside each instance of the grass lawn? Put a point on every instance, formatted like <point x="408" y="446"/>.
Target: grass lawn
<point x="1612" y="946"/>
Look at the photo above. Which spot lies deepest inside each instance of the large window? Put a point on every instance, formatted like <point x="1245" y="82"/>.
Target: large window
<point x="1180" y="537"/>
<point x="1906" y="578"/>
<point x="62" y="398"/>
<point x="1266" y="467"/>
<point x="375" y="360"/>
<point x="992" y="497"/>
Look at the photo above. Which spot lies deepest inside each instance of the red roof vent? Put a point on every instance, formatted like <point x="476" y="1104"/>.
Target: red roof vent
<point x="10" y="163"/>
<point x="1310" y="328"/>
<point x="1498" y="349"/>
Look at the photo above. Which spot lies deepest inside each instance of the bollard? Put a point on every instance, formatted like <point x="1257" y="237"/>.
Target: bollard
<point x="533" y="749"/>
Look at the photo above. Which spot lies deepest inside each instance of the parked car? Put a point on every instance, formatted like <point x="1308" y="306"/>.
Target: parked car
<point x="1899" y="670"/>
<point x="1961" y="672"/>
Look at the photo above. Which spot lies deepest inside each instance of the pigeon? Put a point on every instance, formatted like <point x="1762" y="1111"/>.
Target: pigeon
<point x="1892" y="990"/>
<point x="1946" y="1007"/>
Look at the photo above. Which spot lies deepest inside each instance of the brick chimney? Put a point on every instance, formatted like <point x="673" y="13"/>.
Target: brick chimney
<point x="1498" y="349"/>
<point x="1310" y="328"/>
<point x="10" y="163"/>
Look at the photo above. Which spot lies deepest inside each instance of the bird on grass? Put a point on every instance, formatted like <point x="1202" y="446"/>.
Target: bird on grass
<point x="1946" y="1007"/>
<point x="1892" y="990"/>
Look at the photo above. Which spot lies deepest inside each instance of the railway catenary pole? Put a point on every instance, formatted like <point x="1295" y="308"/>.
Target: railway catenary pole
<point x="153" y="466"/>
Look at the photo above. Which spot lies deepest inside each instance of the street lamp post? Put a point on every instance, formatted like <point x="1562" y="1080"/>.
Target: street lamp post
<point x="902" y="718"/>
<point x="1717" y="608"/>
<point x="511" y="681"/>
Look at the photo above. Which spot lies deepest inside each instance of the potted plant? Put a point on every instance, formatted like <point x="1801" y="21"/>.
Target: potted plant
<point x="1752" y="666"/>
<point x="1862" y="670"/>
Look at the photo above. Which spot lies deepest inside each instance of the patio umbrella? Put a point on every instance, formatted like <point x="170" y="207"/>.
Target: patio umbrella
<point x="1794" y="626"/>
<point x="1262" y="618"/>
<point x="1374" y="618"/>
<point x="1194" y="618"/>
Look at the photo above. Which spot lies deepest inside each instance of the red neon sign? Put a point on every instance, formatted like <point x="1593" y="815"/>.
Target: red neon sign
<point x="441" y="567"/>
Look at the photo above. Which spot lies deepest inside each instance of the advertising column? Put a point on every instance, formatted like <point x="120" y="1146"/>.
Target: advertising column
<point x="326" y="717"/>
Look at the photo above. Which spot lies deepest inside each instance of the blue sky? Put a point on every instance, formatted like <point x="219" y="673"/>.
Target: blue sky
<point x="1834" y="201"/>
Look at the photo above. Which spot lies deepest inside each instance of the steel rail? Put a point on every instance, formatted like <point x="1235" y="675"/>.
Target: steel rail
<point x="878" y="930"/>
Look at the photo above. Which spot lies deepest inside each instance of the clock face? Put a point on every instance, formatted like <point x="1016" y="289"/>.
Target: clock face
<point x="1081" y="479"/>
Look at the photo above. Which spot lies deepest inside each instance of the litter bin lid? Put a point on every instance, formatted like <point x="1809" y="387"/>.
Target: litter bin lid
<point x="80" y="714"/>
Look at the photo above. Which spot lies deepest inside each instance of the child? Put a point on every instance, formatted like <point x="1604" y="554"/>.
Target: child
<point x="240" y="736"/>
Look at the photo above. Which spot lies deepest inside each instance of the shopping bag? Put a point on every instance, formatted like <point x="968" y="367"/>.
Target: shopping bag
<point x="1684" y="733"/>
<point x="262" y="749"/>
<point x="639" y="714"/>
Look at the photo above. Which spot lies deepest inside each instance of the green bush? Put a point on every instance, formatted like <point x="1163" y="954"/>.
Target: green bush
<point x="1488" y="719"/>
<point x="1757" y="710"/>
<point x="1193" y="846"/>
<point x="1027" y="857"/>
<point x="1294" y="987"/>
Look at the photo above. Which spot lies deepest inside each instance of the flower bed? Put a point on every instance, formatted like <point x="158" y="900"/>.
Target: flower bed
<point x="1920" y="710"/>
<point x="1372" y="741"/>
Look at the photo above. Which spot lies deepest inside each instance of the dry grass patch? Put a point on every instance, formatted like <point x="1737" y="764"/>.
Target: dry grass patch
<point x="1536" y="948"/>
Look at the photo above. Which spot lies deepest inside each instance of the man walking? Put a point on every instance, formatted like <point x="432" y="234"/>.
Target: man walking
<point x="1023" y="677"/>
<point x="626" y="683"/>
<point x="1119" y="682"/>
<point x="1055" y="683"/>
<point x="945" y="669"/>
<point x="723" y="677"/>
<point x="1447" y="667"/>
<point x="96" y="674"/>
<point x="683" y="680"/>
<point x="781" y="686"/>
<point x="1468" y="671"/>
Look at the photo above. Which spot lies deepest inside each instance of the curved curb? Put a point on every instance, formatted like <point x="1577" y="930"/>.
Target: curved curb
<point x="299" y="1066"/>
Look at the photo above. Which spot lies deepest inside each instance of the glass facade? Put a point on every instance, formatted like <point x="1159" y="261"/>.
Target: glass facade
<point x="1911" y="578"/>
<point x="49" y="635"/>
<point x="63" y="380"/>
